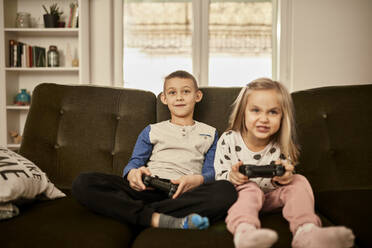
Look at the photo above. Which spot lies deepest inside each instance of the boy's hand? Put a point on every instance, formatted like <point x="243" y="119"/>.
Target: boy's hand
<point x="185" y="183"/>
<point x="135" y="178"/>
<point x="235" y="176"/>
<point x="288" y="175"/>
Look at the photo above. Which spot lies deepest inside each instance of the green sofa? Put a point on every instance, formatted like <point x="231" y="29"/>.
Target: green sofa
<point x="74" y="129"/>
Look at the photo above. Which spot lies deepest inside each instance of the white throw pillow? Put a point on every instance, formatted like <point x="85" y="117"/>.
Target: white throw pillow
<point x="22" y="179"/>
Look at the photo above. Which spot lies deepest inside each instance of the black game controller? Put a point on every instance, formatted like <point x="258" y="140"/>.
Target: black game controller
<point x="160" y="183"/>
<point x="267" y="171"/>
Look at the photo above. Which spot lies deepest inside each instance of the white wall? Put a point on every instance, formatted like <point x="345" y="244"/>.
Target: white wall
<point x="330" y="43"/>
<point x="101" y="42"/>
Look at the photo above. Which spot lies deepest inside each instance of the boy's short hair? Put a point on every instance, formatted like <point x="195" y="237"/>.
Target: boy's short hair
<point x="181" y="74"/>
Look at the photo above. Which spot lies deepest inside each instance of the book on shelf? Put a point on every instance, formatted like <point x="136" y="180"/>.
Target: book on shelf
<point x="73" y="20"/>
<point x="11" y="52"/>
<point x="40" y="57"/>
<point x="19" y="52"/>
<point x="24" y="55"/>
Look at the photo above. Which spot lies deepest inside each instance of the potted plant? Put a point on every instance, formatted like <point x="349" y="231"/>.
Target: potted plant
<point x="52" y="16"/>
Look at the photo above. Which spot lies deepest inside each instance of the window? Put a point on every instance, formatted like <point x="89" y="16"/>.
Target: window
<point x="223" y="43"/>
<point x="240" y="34"/>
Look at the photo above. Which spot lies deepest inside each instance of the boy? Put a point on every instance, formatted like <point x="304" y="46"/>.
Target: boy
<point x="180" y="149"/>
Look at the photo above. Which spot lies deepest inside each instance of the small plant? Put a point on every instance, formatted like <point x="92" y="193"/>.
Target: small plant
<point x="53" y="10"/>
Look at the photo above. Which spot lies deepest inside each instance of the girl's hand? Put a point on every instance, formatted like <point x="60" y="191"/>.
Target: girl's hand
<point x="186" y="183"/>
<point x="235" y="176"/>
<point x="135" y="178"/>
<point x="288" y="175"/>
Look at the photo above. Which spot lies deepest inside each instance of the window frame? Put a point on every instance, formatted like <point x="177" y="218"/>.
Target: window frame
<point x="281" y="41"/>
<point x="200" y="40"/>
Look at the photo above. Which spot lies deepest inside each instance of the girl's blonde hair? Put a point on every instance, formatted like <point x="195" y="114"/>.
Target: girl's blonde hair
<point x="286" y="135"/>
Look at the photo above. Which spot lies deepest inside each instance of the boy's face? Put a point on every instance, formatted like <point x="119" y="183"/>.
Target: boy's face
<point x="181" y="95"/>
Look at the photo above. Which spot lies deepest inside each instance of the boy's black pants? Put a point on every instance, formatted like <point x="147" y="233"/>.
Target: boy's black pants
<point x="112" y="196"/>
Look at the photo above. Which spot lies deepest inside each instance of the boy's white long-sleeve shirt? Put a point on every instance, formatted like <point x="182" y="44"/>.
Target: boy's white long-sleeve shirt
<point x="171" y="151"/>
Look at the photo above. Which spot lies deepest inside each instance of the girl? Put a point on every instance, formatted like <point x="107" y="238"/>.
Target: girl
<point x="261" y="131"/>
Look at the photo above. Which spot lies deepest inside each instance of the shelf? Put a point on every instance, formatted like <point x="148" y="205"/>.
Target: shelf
<point x="72" y="43"/>
<point x="42" y="69"/>
<point x="13" y="146"/>
<point x="16" y="107"/>
<point x="44" y="31"/>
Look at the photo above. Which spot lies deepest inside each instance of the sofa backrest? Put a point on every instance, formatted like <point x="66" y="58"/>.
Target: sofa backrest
<point x="74" y="129"/>
<point x="71" y="129"/>
<point x="335" y="132"/>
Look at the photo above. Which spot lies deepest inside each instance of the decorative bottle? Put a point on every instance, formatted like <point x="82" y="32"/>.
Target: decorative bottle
<point x="23" y="20"/>
<point x="53" y="57"/>
<point x="23" y="98"/>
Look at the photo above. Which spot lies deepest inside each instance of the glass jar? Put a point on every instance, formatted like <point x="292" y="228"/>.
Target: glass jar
<point x="53" y="56"/>
<point x="23" y="20"/>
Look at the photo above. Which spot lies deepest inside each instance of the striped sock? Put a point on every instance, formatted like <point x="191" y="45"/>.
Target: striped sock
<point x="191" y="221"/>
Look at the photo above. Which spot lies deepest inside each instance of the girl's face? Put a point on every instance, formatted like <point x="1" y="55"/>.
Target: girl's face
<point x="263" y="116"/>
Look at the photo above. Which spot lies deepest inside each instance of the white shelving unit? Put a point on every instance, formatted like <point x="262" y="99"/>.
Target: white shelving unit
<point x="13" y="79"/>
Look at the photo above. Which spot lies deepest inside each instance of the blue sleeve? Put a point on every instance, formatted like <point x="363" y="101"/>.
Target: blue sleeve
<point x="208" y="166"/>
<point x="141" y="152"/>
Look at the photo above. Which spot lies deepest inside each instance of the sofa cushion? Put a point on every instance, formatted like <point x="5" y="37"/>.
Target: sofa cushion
<point x="217" y="236"/>
<point x="73" y="129"/>
<point x="334" y="128"/>
<point x="62" y="223"/>
<point x="22" y="180"/>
